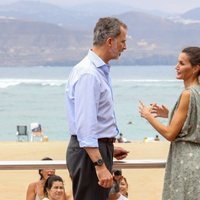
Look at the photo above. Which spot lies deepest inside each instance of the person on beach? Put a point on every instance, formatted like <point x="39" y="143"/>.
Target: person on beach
<point x="35" y="190"/>
<point x="117" y="174"/>
<point x="91" y="116"/>
<point x="183" y="164"/>
<point x="122" y="139"/>
<point x="54" y="188"/>
<point x="156" y="138"/>
<point x="123" y="188"/>
<point x="119" y="191"/>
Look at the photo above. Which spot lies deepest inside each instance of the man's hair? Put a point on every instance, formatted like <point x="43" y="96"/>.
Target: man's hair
<point x="105" y="28"/>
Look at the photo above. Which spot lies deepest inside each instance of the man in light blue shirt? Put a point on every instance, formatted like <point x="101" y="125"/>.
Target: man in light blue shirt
<point x="91" y="116"/>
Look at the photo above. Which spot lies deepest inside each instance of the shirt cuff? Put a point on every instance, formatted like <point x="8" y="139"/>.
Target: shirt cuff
<point x="90" y="142"/>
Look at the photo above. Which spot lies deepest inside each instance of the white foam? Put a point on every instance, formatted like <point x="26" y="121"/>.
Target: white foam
<point x="5" y="83"/>
<point x="146" y="80"/>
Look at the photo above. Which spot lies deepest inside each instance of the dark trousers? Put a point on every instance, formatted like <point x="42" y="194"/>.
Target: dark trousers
<point x="82" y="171"/>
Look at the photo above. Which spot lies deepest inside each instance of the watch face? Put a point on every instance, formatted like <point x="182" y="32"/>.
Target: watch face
<point x="100" y="162"/>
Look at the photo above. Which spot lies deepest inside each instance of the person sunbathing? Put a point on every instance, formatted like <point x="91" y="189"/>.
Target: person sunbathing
<point x="119" y="191"/>
<point x="54" y="188"/>
<point x="35" y="190"/>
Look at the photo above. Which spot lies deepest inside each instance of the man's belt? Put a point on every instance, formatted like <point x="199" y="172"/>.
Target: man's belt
<point x="107" y="140"/>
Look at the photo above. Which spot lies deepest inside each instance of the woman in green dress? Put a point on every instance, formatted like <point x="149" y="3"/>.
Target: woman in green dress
<point x="182" y="175"/>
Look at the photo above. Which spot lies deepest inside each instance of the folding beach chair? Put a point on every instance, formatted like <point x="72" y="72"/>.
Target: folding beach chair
<point x="36" y="130"/>
<point x="22" y="132"/>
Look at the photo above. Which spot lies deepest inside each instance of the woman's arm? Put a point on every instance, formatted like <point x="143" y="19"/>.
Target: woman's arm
<point x="30" y="194"/>
<point x="173" y="129"/>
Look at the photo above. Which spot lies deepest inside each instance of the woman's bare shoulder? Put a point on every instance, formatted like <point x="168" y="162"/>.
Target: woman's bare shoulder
<point x="33" y="184"/>
<point x="185" y="95"/>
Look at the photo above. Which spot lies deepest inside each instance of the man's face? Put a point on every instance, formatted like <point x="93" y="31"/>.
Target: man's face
<point x="118" y="44"/>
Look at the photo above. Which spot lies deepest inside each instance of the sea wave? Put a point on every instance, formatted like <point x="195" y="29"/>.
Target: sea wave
<point x="5" y="83"/>
<point x="147" y="83"/>
<point x="147" y="80"/>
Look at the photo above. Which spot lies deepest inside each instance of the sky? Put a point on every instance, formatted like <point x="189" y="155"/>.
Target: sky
<point x="177" y="6"/>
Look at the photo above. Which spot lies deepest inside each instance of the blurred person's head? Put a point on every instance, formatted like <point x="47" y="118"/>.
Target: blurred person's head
<point x="54" y="187"/>
<point x="45" y="173"/>
<point x="117" y="174"/>
<point x="123" y="186"/>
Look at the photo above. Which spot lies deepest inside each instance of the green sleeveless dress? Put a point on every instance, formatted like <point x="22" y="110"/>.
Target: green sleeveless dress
<point x="182" y="175"/>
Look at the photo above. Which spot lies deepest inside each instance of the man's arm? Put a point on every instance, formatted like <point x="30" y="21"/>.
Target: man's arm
<point x="103" y="174"/>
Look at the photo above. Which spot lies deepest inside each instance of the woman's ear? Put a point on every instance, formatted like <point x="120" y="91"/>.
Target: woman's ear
<point x="199" y="70"/>
<point x="196" y="69"/>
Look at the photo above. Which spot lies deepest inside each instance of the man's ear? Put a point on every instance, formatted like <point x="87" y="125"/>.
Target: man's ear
<point x="109" y="41"/>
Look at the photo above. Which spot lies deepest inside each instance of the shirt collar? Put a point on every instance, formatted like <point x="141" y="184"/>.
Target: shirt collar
<point x="97" y="61"/>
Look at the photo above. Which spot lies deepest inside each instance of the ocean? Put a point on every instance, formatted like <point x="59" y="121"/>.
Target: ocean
<point x="36" y="94"/>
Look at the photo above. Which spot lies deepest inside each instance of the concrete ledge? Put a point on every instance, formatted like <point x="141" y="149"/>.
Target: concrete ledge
<point x="61" y="164"/>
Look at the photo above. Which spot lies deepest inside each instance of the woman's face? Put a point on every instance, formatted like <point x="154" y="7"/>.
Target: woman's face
<point x="123" y="187"/>
<point x="56" y="191"/>
<point x="47" y="172"/>
<point x="184" y="69"/>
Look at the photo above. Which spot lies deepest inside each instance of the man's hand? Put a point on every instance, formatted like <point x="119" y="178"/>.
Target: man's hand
<point x="104" y="176"/>
<point x="120" y="153"/>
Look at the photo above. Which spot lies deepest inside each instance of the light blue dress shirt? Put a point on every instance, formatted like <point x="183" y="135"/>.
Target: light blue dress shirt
<point x="90" y="101"/>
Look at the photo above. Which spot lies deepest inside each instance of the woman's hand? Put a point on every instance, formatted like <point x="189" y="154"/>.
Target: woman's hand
<point x="144" y="110"/>
<point x="159" y="111"/>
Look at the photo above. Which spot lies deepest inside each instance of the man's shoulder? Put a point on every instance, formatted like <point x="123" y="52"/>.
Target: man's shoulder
<point x="83" y="62"/>
<point x="85" y="66"/>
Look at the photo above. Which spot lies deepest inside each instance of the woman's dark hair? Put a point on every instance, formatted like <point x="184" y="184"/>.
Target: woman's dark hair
<point x="193" y="54"/>
<point x="45" y="158"/>
<point x="49" y="182"/>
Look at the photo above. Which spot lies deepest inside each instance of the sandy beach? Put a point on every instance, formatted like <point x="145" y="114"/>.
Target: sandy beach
<point x="144" y="184"/>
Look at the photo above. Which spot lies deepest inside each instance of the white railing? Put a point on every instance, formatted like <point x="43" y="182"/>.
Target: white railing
<point x="61" y="164"/>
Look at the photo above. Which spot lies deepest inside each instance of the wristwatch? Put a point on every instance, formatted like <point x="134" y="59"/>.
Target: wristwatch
<point x="99" y="162"/>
